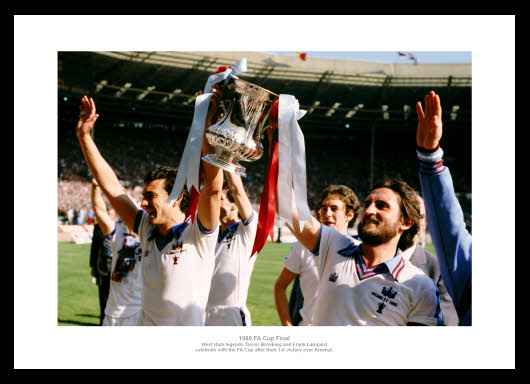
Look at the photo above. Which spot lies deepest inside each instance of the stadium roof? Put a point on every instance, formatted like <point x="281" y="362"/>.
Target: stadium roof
<point x="275" y="66"/>
<point x="159" y="88"/>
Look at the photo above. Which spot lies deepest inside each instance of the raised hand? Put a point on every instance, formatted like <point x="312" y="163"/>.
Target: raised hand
<point x="429" y="130"/>
<point x="87" y="116"/>
<point x="214" y="112"/>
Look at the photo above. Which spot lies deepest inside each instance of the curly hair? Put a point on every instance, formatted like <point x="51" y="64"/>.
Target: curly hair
<point x="170" y="175"/>
<point x="409" y="207"/>
<point x="347" y="196"/>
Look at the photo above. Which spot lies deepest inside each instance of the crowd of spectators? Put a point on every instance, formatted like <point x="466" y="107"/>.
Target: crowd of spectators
<point x="133" y="152"/>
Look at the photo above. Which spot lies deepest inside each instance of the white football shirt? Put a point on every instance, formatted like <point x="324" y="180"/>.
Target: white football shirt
<point x="300" y="261"/>
<point x="125" y="294"/>
<point x="392" y="293"/>
<point x="177" y="272"/>
<point x="231" y="278"/>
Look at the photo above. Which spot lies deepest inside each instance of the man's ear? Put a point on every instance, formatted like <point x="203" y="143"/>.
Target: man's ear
<point x="406" y="224"/>
<point x="176" y="203"/>
<point x="350" y="216"/>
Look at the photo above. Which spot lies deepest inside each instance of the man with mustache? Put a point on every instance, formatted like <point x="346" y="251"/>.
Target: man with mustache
<point x="371" y="283"/>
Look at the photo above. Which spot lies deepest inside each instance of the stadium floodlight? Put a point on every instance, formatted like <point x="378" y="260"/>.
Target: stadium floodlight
<point x="171" y="95"/>
<point x="386" y="115"/>
<point x="331" y="111"/>
<point x="315" y="104"/>
<point x="122" y="89"/>
<point x="406" y="111"/>
<point x="145" y="93"/>
<point x="100" y="85"/>
<point x="354" y="110"/>
<point x="190" y="99"/>
<point x="454" y="112"/>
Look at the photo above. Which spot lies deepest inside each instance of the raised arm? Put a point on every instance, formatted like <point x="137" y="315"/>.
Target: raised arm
<point x="240" y="196"/>
<point x="100" y="210"/>
<point x="209" y="204"/>
<point x="100" y="169"/>
<point x="445" y="219"/>
<point x="308" y="235"/>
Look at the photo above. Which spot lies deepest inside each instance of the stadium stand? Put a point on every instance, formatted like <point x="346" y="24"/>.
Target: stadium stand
<point x="361" y="120"/>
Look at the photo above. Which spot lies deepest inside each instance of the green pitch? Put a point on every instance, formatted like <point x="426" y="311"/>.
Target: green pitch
<point x="78" y="302"/>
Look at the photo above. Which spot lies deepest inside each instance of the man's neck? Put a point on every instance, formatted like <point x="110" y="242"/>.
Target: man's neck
<point x="226" y="222"/>
<point x="164" y="229"/>
<point x="377" y="254"/>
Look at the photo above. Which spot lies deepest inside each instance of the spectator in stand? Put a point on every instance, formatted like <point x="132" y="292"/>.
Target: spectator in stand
<point x="90" y="217"/>
<point x="452" y="242"/>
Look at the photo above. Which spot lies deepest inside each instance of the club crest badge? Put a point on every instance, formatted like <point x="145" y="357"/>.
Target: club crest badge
<point x="176" y="251"/>
<point x="333" y="277"/>
<point x="389" y="292"/>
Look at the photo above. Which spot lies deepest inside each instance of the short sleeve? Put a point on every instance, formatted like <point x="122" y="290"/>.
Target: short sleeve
<point x="426" y="307"/>
<point x="293" y="262"/>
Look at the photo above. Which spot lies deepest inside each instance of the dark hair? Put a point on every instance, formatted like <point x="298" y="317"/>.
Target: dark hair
<point x="230" y="197"/>
<point x="347" y="196"/>
<point x="170" y="175"/>
<point x="409" y="207"/>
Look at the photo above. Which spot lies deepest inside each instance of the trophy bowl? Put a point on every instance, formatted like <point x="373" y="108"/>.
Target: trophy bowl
<point x="237" y="136"/>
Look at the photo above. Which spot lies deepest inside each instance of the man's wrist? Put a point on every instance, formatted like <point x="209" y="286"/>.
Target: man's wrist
<point x="425" y="150"/>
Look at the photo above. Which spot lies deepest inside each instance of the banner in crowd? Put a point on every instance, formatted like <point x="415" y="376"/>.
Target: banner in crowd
<point x="79" y="234"/>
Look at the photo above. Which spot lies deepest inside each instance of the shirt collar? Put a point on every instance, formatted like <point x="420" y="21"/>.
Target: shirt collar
<point x="230" y="229"/>
<point x="394" y="266"/>
<point x="174" y="232"/>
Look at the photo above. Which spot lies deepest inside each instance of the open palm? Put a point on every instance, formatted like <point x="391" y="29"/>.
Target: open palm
<point x="87" y="117"/>
<point x="429" y="122"/>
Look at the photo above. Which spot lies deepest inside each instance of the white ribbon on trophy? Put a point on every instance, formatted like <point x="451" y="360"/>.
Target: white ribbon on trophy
<point x="188" y="172"/>
<point x="291" y="161"/>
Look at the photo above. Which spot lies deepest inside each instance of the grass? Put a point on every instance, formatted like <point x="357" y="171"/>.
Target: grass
<point x="78" y="302"/>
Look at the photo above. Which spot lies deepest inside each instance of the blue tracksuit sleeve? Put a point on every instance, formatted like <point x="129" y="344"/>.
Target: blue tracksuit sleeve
<point x="445" y="221"/>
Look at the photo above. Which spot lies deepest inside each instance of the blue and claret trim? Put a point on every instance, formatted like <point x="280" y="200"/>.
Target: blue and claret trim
<point x="431" y="161"/>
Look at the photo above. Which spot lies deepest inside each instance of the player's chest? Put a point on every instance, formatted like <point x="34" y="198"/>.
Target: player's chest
<point x="376" y="295"/>
<point x="176" y="256"/>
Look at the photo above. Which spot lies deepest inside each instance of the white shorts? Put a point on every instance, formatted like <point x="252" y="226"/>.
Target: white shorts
<point x="122" y="321"/>
<point x="223" y="315"/>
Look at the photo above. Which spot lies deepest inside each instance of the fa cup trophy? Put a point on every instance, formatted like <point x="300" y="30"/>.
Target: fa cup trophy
<point x="237" y="136"/>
